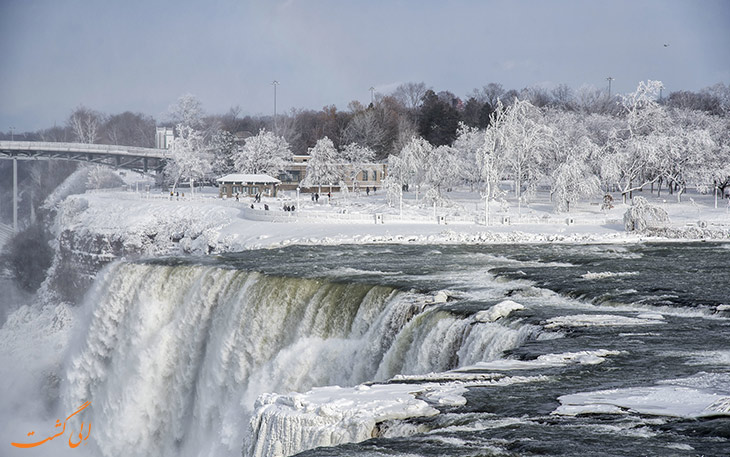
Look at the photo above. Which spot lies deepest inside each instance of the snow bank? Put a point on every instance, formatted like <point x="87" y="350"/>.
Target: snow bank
<point x="498" y="311"/>
<point x="285" y="425"/>
<point x="702" y="395"/>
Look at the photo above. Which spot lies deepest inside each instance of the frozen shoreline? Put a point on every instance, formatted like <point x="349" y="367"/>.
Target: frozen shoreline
<point x="159" y="226"/>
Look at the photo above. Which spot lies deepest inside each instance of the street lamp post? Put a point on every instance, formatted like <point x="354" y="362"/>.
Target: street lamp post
<point x="372" y="95"/>
<point x="609" y="79"/>
<point x="275" y="83"/>
<point x="12" y="133"/>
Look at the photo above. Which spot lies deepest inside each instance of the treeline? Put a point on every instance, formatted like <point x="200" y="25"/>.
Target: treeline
<point x="384" y="126"/>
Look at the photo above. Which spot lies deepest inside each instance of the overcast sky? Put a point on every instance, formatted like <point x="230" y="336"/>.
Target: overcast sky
<point x="141" y="55"/>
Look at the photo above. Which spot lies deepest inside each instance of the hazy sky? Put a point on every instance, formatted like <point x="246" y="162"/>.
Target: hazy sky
<point x="141" y="55"/>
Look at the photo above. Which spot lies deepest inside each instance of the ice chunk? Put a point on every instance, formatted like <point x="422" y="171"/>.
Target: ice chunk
<point x="498" y="311"/>
<point x="285" y="425"/>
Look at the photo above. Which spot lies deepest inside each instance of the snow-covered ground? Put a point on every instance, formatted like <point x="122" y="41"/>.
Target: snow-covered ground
<point x="207" y="223"/>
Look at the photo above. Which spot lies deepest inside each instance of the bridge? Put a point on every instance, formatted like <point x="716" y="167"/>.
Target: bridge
<point x="129" y="157"/>
<point x="134" y="158"/>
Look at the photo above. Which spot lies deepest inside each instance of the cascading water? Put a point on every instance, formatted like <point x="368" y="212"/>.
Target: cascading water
<point x="173" y="357"/>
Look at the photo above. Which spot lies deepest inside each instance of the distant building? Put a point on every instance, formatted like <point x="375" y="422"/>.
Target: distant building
<point x="247" y="185"/>
<point x="368" y="175"/>
<point x="164" y="137"/>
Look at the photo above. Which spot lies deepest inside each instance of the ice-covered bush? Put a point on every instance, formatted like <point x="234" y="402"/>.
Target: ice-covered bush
<point x="642" y="215"/>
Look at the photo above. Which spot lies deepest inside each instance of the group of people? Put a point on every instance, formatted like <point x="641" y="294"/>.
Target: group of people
<point x="288" y="208"/>
<point x="367" y="190"/>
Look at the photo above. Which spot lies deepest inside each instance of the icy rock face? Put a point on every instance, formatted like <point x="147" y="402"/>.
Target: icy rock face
<point x="89" y="236"/>
<point x="285" y="425"/>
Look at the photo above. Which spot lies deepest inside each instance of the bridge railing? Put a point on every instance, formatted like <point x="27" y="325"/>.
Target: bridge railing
<point x="112" y="149"/>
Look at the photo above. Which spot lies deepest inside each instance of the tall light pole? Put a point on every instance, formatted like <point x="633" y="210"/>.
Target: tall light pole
<point x="609" y="79"/>
<point x="12" y="133"/>
<point x="372" y="95"/>
<point x="275" y="83"/>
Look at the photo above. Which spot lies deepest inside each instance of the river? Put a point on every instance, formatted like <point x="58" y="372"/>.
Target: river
<point x="619" y="350"/>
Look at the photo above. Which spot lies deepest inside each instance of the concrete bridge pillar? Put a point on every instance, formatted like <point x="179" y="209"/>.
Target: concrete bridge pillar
<point x="15" y="195"/>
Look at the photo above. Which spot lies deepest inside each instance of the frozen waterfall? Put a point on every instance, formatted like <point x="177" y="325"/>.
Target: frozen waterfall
<point x="173" y="357"/>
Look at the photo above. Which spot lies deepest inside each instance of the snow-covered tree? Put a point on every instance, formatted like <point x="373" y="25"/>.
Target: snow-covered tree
<point x="189" y="156"/>
<point x="642" y="214"/>
<point x="413" y="163"/>
<point x="683" y="152"/>
<point x="633" y="152"/>
<point x="365" y="129"/>
<point x="393" y="190"/>
<point x="468" y="142"/>
<point x="264" y="153"/>
<point x="355" y="157"/>
<point x="524" y="139"/>
<point x="324" y="166"/>
<point x="223" y="146"/>
<point x="573" y="180"/>
<point x="569" y="161"/>
<point x="442" y="170"/>
<point x="187" y="111"/>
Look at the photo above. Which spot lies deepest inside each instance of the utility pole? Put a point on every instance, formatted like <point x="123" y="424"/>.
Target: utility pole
<point x="372" y="95"/>
<point x="275" y="83"/>
<point x="609" y="79"/>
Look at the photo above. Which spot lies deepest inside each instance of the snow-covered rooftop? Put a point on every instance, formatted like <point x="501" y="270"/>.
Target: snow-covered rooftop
<point x="247" y="178"/>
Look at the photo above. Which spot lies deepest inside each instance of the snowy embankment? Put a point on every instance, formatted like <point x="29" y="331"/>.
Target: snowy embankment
<point x="160" y="226"/>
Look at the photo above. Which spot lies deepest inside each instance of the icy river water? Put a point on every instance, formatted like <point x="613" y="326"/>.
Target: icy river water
<point x="617" y="350"/>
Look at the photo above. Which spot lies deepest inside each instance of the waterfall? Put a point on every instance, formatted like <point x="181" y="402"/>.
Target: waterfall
<point x="173" y="357"/>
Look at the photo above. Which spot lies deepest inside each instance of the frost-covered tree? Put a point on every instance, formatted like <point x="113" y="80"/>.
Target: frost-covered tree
<point x="683" y="152"/>
<point x="573" y="180"/>
<point x="632" y="159"/>
<point x="642" y="214"/>
<point x="413" y="163"/>
<point x="223" y="146"/>
<point x="467" y="144"/>
<point x="187" y="111"/>
<point x="569" y="161"/>
<point x="86" y="124"/>
<point x="189" y="157"/>
<point x="265" y="153"/>
<point x="324" y="166"/>
<point x="524" y="138"/>
<point x="393" y="190"/>
<point x="442" y="169"/>
<point x="355" y="156"/>
<point x="365" y="129"/>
